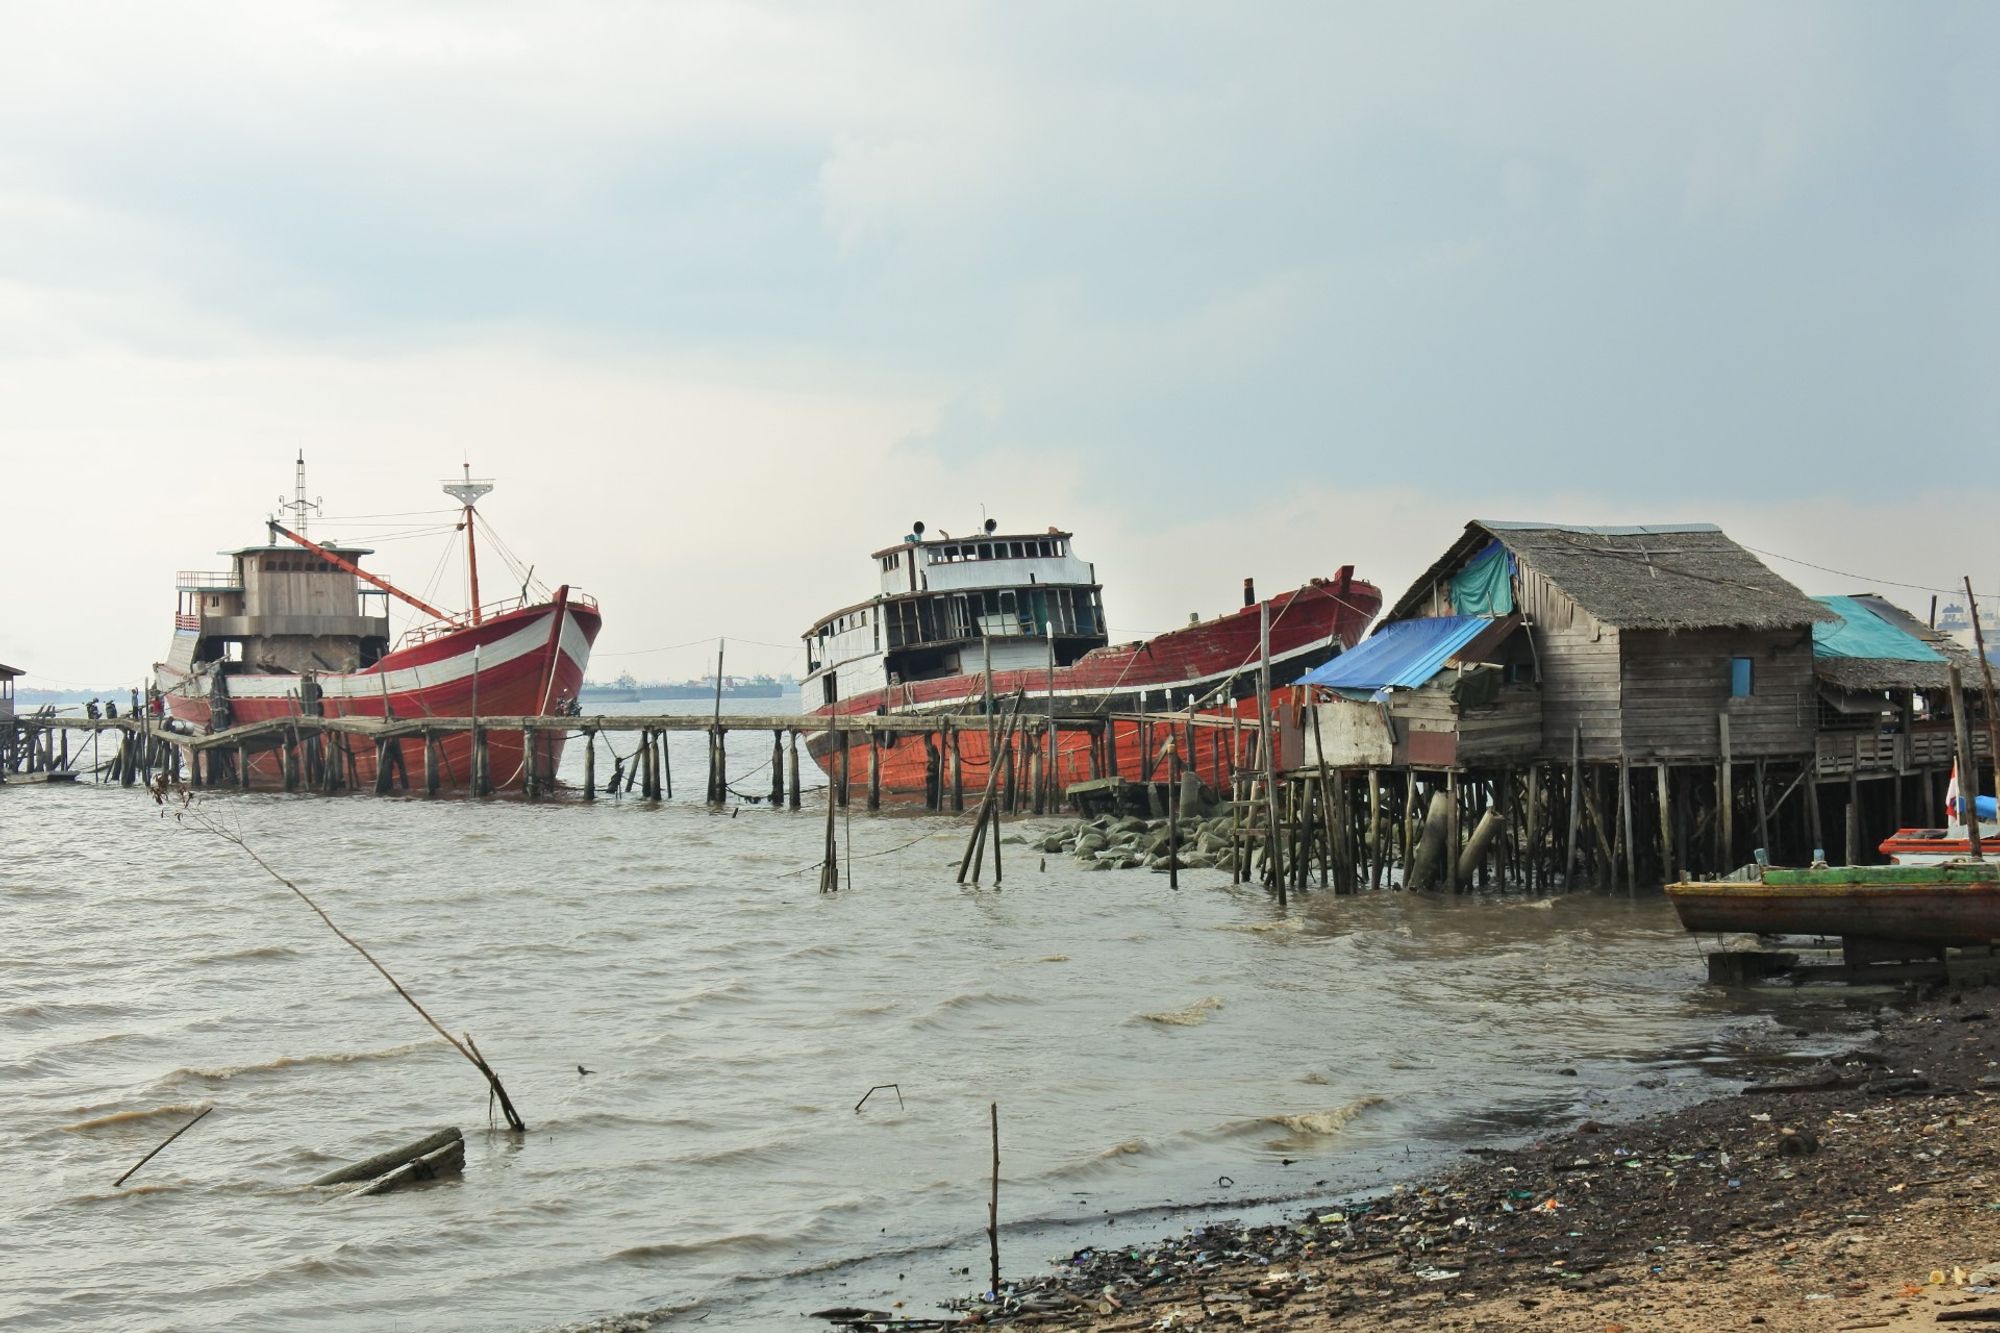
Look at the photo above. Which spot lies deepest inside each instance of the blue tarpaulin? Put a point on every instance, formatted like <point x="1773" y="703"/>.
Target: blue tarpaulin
<point x="1401" y="655"/>
<point x="1861" y="633"/>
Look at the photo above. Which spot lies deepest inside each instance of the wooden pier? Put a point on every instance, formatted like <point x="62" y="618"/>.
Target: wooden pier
<point x="304" y="752"/>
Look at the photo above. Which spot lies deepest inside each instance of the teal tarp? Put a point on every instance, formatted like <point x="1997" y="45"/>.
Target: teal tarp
<point x="1861" y="633"/>
<point x="1485" y="587"/>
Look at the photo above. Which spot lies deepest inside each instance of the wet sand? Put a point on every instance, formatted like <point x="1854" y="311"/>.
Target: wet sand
<point x="1864" y="1195"/>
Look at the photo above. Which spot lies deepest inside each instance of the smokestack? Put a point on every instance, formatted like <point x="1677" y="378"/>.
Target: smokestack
<point x="1249" y="592"/>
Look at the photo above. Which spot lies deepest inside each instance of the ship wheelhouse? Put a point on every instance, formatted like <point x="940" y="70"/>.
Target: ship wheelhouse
<point x="280" y="609"/>
<point x="949" y="606"/>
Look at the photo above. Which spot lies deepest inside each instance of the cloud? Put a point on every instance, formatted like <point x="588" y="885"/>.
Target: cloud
<point x="756" y="279"/>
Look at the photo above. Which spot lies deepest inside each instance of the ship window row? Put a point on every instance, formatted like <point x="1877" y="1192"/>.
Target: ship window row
<point x="279" y="564"/>
<point x="994" y="613"/>
<point x="842" y="624"/>
<point x="1044" y="548"/>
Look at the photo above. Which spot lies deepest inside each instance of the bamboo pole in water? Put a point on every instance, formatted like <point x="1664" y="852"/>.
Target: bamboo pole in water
<point x="993" y="1206"/>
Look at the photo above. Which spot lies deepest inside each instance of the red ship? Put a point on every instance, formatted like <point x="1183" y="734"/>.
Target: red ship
<point x="963" y="624"/>
<point x="298" y="628"/>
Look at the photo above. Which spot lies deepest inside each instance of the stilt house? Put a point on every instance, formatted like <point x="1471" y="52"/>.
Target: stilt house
<point x="1526" y="641"/>
<point x="1884" y="702"/>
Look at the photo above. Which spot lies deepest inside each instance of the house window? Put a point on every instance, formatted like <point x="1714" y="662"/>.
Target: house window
<point x="1739" y="677"/>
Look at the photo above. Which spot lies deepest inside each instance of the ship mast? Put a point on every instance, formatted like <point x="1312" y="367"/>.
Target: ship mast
<point x="468" y="492"/>
<point x="298" y="505"/>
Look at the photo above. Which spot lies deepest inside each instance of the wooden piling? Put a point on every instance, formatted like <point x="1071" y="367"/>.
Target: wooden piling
<point x="589" y="764"/>
<point x="1666" y="829"/>
<point x="951" y="763"/>
<point x="874" y="770"/>
<point x="1451" y="840"/>
<point x="1811" y="794"/>
<point x="1575" y="805"/>
<point x="792" y="771"/>
<point x="777" y="770"/>
<point x="1764" y="816"/>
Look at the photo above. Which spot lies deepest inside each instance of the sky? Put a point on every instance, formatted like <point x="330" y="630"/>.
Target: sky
<point x="724" y="296"/>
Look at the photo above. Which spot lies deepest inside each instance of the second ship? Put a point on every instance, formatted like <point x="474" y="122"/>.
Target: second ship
<point x="961" y="625"/>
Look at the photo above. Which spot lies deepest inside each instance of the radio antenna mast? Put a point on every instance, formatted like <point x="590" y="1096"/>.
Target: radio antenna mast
<point x="298" y="506"/>
<point x="468" y="492"/>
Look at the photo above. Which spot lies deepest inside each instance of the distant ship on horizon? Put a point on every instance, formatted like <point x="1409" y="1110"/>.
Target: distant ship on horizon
<point x="626" y="689"/>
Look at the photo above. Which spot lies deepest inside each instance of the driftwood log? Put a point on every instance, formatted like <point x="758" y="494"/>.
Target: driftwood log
<point x="448" y="1142"/>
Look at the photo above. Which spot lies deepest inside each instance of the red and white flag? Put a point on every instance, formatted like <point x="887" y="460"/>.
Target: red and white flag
<point x="1951" y="798"/>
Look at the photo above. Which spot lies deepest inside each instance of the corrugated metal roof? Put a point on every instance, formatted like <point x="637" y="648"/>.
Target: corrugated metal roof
<point x="1402" y="655"/>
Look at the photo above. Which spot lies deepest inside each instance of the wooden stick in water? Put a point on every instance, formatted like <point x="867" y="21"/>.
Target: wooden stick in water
<point x="182" y="1130"/>
<point x="993" y="1205"/>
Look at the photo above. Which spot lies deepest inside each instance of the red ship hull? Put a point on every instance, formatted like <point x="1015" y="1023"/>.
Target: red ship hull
<point x="1308" y="626"/>
<point x="523" y="662"/>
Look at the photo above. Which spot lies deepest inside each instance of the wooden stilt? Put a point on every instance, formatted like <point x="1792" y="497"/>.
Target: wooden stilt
<point x="589" y="765"/>
<point x="777" y="770"/>
<point x="1667" y="875"/>
<point x="1811" y="794"/>
<point x="1625" y="819"/>
<point x="1854" y="806"/>
<point x="1725" y="799"/>
<point x="792" y="770"/>
<point x="1764" y="814"/>
<point x="1452" y="843"/>
<point x="1575" y="811"/>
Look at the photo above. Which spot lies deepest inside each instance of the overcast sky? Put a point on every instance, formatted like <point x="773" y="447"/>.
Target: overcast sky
<point x="725" y="295"/>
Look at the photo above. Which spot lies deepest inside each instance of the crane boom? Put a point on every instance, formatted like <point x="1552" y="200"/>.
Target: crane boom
<point x="360" y="573"/>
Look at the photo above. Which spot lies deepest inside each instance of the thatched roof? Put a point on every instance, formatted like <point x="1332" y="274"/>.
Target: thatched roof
<point x="1871" y="674"/>
<point x="1685" y="576"/>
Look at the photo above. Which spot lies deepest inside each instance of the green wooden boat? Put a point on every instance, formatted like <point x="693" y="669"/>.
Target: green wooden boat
<point x="1957" y="903"/>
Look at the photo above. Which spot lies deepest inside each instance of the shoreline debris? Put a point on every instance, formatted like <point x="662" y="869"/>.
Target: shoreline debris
<point x="439" y="1153"/>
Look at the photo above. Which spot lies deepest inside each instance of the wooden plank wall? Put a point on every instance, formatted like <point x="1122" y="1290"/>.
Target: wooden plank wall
<point x="1676" y="685"/>
<point x="1505" y="731"/>
<point x="1580" y="685"/>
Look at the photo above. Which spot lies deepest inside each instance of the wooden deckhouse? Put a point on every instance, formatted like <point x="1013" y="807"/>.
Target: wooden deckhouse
<point x="8" y="675"/>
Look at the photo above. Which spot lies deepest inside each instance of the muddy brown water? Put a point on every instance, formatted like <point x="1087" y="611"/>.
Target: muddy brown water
<point x="1149" y="1049"/>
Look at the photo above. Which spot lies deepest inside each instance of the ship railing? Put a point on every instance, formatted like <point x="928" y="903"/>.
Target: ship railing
<point x="417" y="634"/>
<point x="201" y="578"/>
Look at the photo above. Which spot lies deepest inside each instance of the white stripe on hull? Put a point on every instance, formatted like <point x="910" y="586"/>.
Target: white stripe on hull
<point x="530" y="638"/>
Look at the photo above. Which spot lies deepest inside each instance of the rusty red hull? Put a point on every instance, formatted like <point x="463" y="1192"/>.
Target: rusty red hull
<point x="1308" y="626"/>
